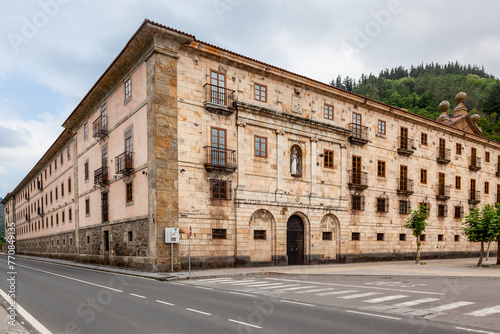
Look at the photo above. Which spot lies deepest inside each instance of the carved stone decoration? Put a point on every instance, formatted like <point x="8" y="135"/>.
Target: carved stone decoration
<point x="461" y="109"/>
<point x="444" y="107"/>
<point x="296" y="161"/>
<point x="297" y="104"/>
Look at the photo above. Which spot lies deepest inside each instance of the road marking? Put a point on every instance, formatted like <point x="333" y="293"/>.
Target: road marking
<point x="357" y="286"/>
<point x="244" y="323"/>
<point x="26" y="315"/>
<point x="252" y="285"/>
<point x="485" y="311"/>
<point x="384" y="299"/>
<point x="278" y="287"/>
<point x="292" y="302"/>
<point x="474" y="330"/>
<point x="243" y="294"/>
<point x="177" y="283"/>
<point x="214" y="279"/>
<point x="315" y="290"/>
<point x="335" y="292"/>
<point x="416" y="302"/>
<point x="133" y="294"/>
<point x="298" y="288"/>
<point x="193" y="310"/>
<point x="245" y="282"/>
<point x="202" y="287"/>
<point x="374" y="315"/>
<point x="162" y="302"/>
<point x="450" y="306"/>
<point x="71" y="278"/>
<point x="359" y="295"/>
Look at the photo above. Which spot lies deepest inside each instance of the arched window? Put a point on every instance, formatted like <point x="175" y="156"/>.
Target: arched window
<point x="296" y="161"/>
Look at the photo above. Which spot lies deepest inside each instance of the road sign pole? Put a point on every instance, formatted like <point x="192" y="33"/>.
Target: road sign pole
<point x="189" y="255"/>
<point x="172" y="256"/>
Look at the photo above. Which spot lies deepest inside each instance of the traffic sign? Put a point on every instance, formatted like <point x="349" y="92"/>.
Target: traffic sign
<point x="190" y="231"/>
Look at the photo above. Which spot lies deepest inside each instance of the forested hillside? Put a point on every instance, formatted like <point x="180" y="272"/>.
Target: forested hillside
<point x="420" y="89"/>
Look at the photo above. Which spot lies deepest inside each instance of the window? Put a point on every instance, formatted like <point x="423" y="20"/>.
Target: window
<point x="50" y="170"/>
<point x="423" y="139"/>
<point x="219" y="189"/>
<point x="130" y="236"/>
<point x="218" y="233"/>
<point x="62" y="217"/>
<point x="457" y="237"/>
<point x="440" y="237"/>
<point x="381" y="127"/>
<point x="55" y="165"/>
<point x="128" y="89"/>
<point x="217" y="87"/>
<point x="88" y="239"/>
<point x="380" y="236"/>
<point x="87" y="206"/>
<point x="459" y="149"/>
<point x="356" y="236"/>
<point x="69" y="185"/>
<point x="458" y="182"/>
<point x="382" y="204"/>
<point x="129" y="191"/>
<point x="86" y="170"/>
<point x="260" y="92"/>
<point x="404" y="207"/>
<point x="459" y="210"/>
<point x="69" y="215"/>
<point x="62" y="159"/>
<point x="327" y="236"/>
<point x="261" y="146"/>
<point x="486" y="156"/>
<point x="56" y="194"/>
<point x="328" y="159"/>
<point x="442" y="210"/>
<point x="57" y="219"/>
<point x="486" y="187"/>
<point x="62" y="189"/>
<point x="51" y="197"/>
<point x="422" y="237"/>
<point x="259" y="234"/>
<point x="328" y="111"/>
<point x="402" y="237"/>
<point x="380" y="168"/>
<point x="357" y="203"/>
<point x="85" y="131"/>
<point x="68" y="149"/>
<point x="423" y="176"/>
<point x="104" y="207"/>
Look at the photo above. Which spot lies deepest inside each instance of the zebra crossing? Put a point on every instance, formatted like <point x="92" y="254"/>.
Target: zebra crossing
<point x="371" y="297"/>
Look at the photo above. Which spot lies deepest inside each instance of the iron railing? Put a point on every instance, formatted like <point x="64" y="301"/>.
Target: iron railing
<point x="358" y="131"/>
<point x="100" y="126"/>
<point x="220" y="157"/>
<point x="474" y="196"/>
<point x="218" y="95"/>
<point x="443" y="192"/>
<point x="124" y="163"/>
<point x="444" y="155"/>
<point x="474" y="163"/>
<point x="405" y="186"/>
<point x="358" y="179"/>
<point x="101" y="176"/>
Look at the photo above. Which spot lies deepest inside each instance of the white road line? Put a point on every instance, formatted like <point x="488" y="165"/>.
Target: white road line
<point x="485" y="311"/>
<point x="214" y="279"/>
<point x="193" y="310"/>
<point x="244" y="323"/>
<point x="416" y="302"/>
<point x="245" y="282"/>
<point x="277" y="287"/>
<point x="475" y="330"/>
<point x="298" y="288"/>
<point x="70" y="278"/>
<point x="450" y="306"/>
<point x="292" y="302"/>
<point x="359" y="295"/>
<point x="357" y="286"/>
<point x="384" y="299"/>
<point x="202" y="287"/>
<point x="162" y="302"/>
<point x="177" y="283"/>
<point x="26" y="315"/>
<point x="374" y="315"/>
<point x="243" y="294"/>
<point x="315" y="290"/>
<point x="133" y="294"/>
<point x="335" y="292"/>
<point x="251" y="285"/>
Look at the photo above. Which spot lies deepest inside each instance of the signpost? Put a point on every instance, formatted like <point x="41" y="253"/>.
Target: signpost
<point x="172" y="237"/>
<point x="189" y="237"/>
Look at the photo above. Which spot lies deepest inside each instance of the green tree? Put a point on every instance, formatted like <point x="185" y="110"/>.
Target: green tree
<point x="417" y="223"/>
<point x="480" y="226"/>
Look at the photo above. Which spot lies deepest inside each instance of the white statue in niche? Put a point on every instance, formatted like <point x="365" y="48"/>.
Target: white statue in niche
<point x="294" y="162"/>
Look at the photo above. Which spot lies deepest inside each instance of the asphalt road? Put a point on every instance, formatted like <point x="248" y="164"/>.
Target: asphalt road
<point x="73" y="300"/>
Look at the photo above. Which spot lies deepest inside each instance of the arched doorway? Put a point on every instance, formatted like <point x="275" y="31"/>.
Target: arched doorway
<point x="295" y="240"/>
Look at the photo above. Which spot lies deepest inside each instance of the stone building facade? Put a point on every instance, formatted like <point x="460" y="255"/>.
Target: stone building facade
<point x="268" y="167"/>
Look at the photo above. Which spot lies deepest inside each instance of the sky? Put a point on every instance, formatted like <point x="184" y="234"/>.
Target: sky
<point x="53" y="51"/>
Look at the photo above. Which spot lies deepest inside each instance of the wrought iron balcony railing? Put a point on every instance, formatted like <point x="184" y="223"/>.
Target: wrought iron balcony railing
<point x="100" y="127"/>
<point x="124" y="163"/>
<point x="405" y="186"/>
<point x="498" y="170"/>
<point x="358" y="180"/>
<point x="101" y="176"/>
<point x="220" y="159"/>
<point x="442" y="210"/>
<point x="474" y="197"/>
<point x="444" y="155"/>
<point x="219" y="99"/>
<point x="359" y="134"/>
<point x="474" y="163"/>
<point x="443" y="192"/>
<point x="406" y="146"/>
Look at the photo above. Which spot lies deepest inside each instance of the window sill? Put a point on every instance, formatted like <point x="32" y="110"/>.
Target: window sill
<point x="129" y="203"/>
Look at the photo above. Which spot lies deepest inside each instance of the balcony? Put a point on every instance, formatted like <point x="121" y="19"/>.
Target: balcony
<point x="219" y="100"/>
<point x="498" y="170"/>
<point x="40" y="185"/>
<point x="40" y="211"/>
<point x="220" y="159"/>
<point x="444" y="156"/>
<point x="406" y="146"/>
<point x="474" y="163"/>
<point x="498" y="198"/>
<point x="124" y="163"/>
<point x="359" y="134"/>
<point x="101" y="176"/>
<point x="358" y="180"/>
<point x="474" y="197"/>
<point x="100" y="127"/>
<point x="405" y="186"/>
<point x="443" y="192"/>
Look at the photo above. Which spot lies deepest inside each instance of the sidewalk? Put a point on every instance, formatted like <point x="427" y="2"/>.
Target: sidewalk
<point x="450" y="267"/>
<point x="8" y="329"/>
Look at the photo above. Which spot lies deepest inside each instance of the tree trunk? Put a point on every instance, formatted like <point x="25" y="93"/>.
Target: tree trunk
<point x="488" y="251"/>
<point x="481" y="255"/>
<point x="417" y="261"/>
<point x="498" y="252"/>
